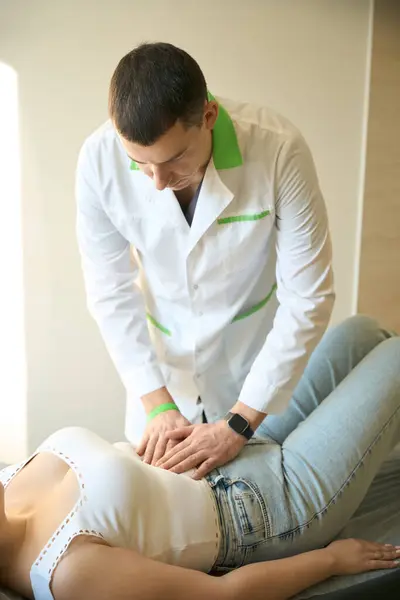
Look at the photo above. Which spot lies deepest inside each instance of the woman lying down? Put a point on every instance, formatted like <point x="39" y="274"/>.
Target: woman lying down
<point x="84" y="519"/>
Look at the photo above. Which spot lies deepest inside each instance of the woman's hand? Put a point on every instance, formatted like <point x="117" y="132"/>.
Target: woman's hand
<point x="352" y="556"/>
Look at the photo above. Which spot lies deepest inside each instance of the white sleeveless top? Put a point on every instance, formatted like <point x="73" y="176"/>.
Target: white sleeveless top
<point x="128" y="504"/>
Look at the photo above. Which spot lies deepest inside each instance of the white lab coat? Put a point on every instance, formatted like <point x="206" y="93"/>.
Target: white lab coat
<point x="235" y="303"/>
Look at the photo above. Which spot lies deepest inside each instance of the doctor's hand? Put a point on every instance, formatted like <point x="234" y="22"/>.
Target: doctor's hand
<point x="205" y="447"/>
<point x="154" y="442"/>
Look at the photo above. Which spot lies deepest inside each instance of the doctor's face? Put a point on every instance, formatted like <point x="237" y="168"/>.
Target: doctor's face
<point x="179" y="158"/>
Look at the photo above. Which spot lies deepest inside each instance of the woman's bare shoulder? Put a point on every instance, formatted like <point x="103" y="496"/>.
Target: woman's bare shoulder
<point x="94" y="571"/>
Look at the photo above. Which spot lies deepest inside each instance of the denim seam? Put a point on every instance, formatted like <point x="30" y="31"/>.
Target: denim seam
<point x="359" y="465"/>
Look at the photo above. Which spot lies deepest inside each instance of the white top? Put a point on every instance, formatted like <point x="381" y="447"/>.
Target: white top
<point x="236" y="303"/>
<point x="170" y="518"/>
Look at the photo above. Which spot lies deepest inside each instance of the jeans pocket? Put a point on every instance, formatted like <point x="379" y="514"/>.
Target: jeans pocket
<point x="249" y="512"/>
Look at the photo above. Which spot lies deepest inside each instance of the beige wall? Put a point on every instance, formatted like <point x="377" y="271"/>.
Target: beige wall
<point x="306" y="59"/>
<point x="379" y="291"/>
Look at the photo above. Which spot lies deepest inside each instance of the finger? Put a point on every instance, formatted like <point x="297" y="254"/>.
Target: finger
<point x="375" y="545"/>
<point x="159" y="450"/>
<point x="182" y="432"/>
<point x="393" y="547"/>
<point x="171" y="444"/>
<point x="379" y="546"/>
<point x="206" y="467"/>
<point x="173" y="452"/>
<point x="177" y="458"/>
<point x="191" y="462"/>
<point x="151" y="444"/>
<point x="375" y="565"/>
<point x="385" y="554"/>
<point x="142" y="445"/>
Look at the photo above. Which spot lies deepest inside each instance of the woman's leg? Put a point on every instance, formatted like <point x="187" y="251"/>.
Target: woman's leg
<point x="340" y="350"/>
<point x="330" y="460"/>
<point x="280" y="500"/>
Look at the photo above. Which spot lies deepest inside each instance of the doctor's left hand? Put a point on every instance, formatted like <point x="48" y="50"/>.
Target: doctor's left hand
<point x="205" y="447"/>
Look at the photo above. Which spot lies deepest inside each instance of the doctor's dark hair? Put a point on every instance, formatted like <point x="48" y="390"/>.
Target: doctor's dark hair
<point x="153" y="87"/>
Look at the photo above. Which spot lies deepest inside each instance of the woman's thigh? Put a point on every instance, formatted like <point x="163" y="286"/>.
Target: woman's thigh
<point x="341" y="349"/>
<point x="330" y="460"/>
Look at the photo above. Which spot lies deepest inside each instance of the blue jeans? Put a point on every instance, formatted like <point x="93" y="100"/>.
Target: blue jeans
<point x="297" y="484"/>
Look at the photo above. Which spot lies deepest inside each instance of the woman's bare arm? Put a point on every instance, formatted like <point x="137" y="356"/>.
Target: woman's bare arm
<point x="98" y="572"/>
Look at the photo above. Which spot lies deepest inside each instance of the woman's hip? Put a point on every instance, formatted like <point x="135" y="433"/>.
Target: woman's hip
<point x="257" y="516"/>
<point x="273" y="502"/>
<point x="264" y="520"/>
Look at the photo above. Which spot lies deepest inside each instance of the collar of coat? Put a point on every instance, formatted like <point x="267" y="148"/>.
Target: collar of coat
<point x="226" y="151"/>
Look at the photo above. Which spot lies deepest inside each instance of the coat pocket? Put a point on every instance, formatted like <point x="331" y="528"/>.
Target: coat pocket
<point x="244" y="238"/>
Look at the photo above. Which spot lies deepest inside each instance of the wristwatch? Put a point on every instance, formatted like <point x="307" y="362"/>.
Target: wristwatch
<point x="239" y="424"/>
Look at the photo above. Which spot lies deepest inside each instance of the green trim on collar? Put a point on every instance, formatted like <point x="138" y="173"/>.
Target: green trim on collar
<point x="226" y="151"/>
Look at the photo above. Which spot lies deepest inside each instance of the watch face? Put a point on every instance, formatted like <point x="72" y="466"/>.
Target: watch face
<point x="238" y="423"/>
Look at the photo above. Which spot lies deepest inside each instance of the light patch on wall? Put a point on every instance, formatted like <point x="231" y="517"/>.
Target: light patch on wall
<point x="13" y="411"/>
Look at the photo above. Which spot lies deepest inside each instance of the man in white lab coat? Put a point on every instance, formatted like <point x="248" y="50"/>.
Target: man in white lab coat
<point x="206" y="257"/>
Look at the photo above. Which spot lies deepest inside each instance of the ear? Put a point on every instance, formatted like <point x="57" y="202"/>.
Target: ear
<point x="210" y="114"/>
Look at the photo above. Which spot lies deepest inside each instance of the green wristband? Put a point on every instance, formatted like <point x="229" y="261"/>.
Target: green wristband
<point x="160" y="409"/>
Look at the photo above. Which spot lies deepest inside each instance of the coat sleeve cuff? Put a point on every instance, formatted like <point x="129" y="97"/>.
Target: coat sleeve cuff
<point x="266" y="399"/>
<point x="143" y="380"/>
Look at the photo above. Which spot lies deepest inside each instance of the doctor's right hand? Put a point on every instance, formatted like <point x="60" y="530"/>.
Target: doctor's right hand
<point x="154" y="443"/>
